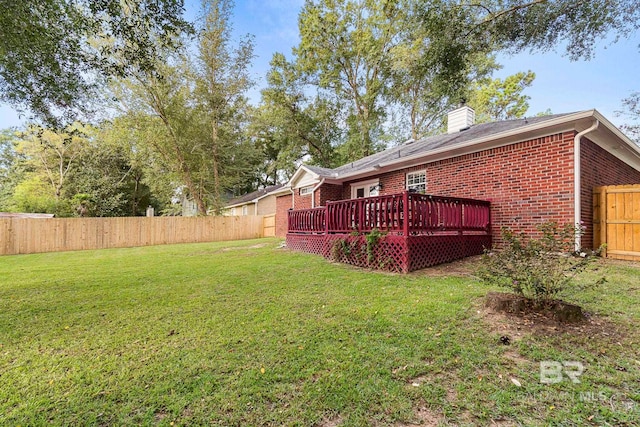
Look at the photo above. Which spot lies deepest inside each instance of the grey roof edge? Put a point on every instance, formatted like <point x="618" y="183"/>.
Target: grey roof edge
<point x="254" y="196"/>
<point x="369" y="167"/>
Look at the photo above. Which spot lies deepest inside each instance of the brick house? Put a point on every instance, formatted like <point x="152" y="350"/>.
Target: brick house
<point x="530" y="170"/>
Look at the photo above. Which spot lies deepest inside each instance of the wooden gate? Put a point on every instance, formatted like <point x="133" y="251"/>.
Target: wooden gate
<point x="269" y="226"/>
<point x="616" y="220"/>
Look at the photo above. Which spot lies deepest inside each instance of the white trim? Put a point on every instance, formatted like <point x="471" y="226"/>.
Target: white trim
<point x="308" y="189"/>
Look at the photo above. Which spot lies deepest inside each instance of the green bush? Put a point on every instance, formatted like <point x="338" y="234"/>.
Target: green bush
<point x="539" y="268"/>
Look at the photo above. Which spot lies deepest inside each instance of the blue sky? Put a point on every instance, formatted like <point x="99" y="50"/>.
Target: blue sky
<point x="560" y="85"/>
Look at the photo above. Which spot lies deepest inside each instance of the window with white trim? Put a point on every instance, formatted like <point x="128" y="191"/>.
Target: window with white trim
<point x="417" y="181"/>
<point x="245" y="210"/>
<point x="365" y="189"/>
<point x="306" y="190"/>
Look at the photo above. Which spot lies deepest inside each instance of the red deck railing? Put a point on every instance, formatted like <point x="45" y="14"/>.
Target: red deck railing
<point x="307" y="221"/>
<point x="423" y="214"/>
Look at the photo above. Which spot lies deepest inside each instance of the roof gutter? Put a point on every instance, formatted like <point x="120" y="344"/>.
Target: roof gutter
<point x="313" y="193"/>
<point x="293" y="198"/>
<point x="577" y="199"/>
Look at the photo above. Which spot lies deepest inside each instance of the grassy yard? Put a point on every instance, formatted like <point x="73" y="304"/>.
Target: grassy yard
<point x="246" y="333"/>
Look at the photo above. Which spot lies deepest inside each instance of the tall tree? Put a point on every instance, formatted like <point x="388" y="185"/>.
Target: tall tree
<point x="501" y="99"/>
<point x="292" y="123"/>
<point x="346" y="46"/>
<point x="195" y="108"/>
<point x="221" y="86"/>
<point x="54" y="53"/>
<point x="53" y="154"/>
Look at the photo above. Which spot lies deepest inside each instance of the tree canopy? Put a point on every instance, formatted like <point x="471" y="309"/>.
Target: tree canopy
<point x="54" y="53"/>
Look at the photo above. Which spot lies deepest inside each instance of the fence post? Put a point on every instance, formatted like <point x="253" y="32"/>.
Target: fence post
<point x="603" y="219"/>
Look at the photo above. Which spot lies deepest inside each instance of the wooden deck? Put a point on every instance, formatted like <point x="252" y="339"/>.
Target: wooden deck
<point x="417" y="231"/>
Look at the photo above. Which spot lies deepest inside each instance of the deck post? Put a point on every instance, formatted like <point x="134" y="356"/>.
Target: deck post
<point x="326" y="220"/>
<point x="405" y="203"/>
<point x="460" y="219"/>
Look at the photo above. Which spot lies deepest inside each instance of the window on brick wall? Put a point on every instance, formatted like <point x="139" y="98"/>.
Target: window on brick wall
<point x="365" y="189"/>
<point x="306" y="190"/>
<point x="417" y="181"/>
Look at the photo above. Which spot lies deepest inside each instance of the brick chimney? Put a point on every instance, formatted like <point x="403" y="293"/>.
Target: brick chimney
<point x="460" y="119"/>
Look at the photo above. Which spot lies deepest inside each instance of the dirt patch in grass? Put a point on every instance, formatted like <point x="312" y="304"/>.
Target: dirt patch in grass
<point x="423" y="416"/>
<point x="331" y="422"/>
<point x="559" y="311"/>
<point x="462" y="268"/>
<point x="515" y="325"/>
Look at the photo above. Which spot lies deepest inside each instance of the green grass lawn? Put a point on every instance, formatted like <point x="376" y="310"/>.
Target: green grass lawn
<point x="245" y="333"/>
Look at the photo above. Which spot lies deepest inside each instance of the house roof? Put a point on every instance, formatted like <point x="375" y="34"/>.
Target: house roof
<point x="478" y="137"/>
<point x="253" y="196"/>
<point x="431" y="143"/>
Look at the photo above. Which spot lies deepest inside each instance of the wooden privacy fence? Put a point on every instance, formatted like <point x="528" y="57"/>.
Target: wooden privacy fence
<point x="616" y="220"/>
<point x="25" y="236"/>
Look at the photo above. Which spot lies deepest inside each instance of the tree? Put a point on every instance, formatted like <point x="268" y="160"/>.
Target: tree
<point x="345" y="47"/>
<point x="498" y="99"/>
<point x="12" y="168"/>
<point x="631" y="110"/>
<point x="52" y="155"/>
<point x="292" y="124"/>
<point x="518" y="25"/>
<point x="221" y="85"/>
<point x="194" y="113"/>
<point x="54" y="53"/>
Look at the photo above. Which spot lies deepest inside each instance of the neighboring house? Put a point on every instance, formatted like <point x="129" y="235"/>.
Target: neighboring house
<point x="531" y="170"/>
<point x="260" y="202"/>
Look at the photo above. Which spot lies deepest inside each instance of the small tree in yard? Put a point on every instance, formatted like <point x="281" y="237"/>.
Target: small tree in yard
<point x="537" y="268"/>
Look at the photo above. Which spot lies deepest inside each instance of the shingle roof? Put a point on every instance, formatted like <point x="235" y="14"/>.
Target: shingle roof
<point x="254" y="195"/>
<point x="320" y="170"/>
<point x="432" y="143"/>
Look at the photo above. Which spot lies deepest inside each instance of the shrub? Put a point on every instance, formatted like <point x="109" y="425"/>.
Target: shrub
<point x="538" y="268"/>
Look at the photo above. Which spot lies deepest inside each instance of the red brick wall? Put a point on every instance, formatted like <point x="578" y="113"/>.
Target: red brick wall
<point x="301" y="202"/>
<point x="598" y="167"/>
<point x="527" y="183"/>
<point x="283" y="204"/>
<point x="327" y="193"/>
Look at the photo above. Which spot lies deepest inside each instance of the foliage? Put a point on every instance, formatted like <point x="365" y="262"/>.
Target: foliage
<point x="33" y="194"/>
<point x="12" y="169"/>
<point x="373" y="240"/>
<point x="192" y="113"/>
<point x="96" y="339"/>
<point x="540" y="268"/>
<point x="344" y="48"/>
<point x="498" y="99"/>
<point x="291" y="125"/>
<point x="53" y="155"/>
<point x="631" y="110"/>
<point x="54" y="54"/>
<point x="360" y="245"/>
